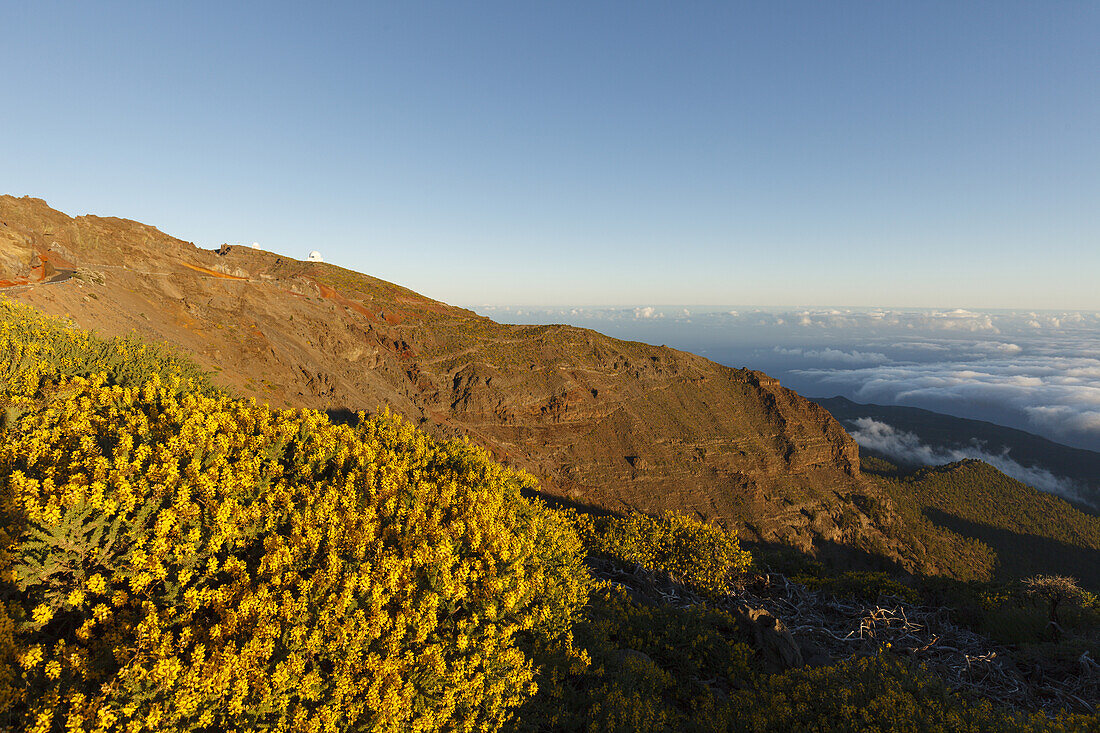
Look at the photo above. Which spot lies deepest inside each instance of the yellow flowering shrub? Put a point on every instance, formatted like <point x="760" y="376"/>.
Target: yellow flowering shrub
<point x="192" y="562"/>
<point x="694" y="552"/>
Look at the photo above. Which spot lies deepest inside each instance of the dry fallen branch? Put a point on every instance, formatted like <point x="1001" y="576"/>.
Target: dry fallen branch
<point x="967" y="661"/>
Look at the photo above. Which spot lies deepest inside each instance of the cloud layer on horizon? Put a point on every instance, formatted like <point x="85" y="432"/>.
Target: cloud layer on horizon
<point x="866" y="320"/>
<point x="835" y="356"/>
<point x="1054" y="395"/>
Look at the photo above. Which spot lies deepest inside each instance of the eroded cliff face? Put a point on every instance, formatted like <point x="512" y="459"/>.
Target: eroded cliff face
<point x="599" y="421"/>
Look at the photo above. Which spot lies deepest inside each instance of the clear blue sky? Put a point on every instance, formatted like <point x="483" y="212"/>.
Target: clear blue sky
<point x="868" y="153"/>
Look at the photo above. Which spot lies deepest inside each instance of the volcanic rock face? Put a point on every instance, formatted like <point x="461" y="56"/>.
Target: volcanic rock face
<point x="600" y="421"/>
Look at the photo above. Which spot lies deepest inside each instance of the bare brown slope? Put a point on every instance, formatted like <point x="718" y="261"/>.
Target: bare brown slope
<point x="599" y="421"/>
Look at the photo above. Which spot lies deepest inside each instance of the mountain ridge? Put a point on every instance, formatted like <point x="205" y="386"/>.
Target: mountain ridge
<point x="601" y="422"/>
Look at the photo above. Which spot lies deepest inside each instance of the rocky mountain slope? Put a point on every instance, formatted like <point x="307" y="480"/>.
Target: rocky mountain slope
<point x="599" y="421"/>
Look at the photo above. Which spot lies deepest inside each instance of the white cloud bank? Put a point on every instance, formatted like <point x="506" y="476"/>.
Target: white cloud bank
<point x="1058" y="397"/>
<point x="836" y="356"/>
<point x="907" y="448"/>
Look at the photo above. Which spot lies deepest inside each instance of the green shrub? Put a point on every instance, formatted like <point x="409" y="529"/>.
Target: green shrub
<point x="660" y="668"/>
<point x="653" y="668"/>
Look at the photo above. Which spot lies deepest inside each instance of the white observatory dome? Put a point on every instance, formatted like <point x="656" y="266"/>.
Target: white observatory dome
<point x="315" y="256"/>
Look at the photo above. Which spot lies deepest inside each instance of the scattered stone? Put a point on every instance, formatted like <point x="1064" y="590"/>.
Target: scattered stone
<point x="771" y="639"/>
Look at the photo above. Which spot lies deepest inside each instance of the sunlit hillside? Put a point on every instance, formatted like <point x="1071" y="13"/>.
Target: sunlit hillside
<point x="179" y="558"/>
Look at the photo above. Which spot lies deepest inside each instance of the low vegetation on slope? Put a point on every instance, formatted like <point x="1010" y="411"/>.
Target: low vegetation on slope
<point x="176" y="558"/>
<point x="947" y="432"/>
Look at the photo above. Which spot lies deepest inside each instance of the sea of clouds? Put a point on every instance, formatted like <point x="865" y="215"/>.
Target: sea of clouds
<point x="1035" y="371"/>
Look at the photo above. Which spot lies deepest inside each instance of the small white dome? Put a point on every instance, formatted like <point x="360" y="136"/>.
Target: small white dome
<point x="315" y="256"/>
<point x="255" y="245"/>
